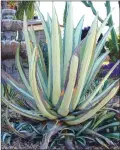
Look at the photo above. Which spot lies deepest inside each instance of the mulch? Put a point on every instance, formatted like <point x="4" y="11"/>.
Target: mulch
<point x="24" y="145"/>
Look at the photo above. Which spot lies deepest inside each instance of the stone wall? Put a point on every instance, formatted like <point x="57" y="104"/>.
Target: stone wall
<point x="11" y="31"/>
<point x="40" y="35"/>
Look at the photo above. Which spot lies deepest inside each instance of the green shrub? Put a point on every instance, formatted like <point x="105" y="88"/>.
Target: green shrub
<point x="114" y="54"/>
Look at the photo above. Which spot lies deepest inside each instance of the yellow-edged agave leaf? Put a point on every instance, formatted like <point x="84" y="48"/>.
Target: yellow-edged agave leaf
<point x="82" y="48"/>
<point x="100" y="96"/>
<point x="69" y="117"/>
<point x="41" y="59"/>
<point x="61" y="57"/>
<point x="41" y="81"/>
<point x="32" y="74"/>
<point x="68" y="40"/>
<point x="27" y="113"/>
<point x="95" y="69"/>
<point x="55" y="40"/>
<point x="34" y="87"/>
<point x="97" y="63"/>
<point x="101" y="142"/>
<point x="105" y="92"/>
<point x="103" y="24"/>
<point x="78" y="32"/>
<point x="81" y="118"/>
<point x="98" y="87"/>
<point x="27" y="39"/>
<point x="64" y="107"/>
<point x="100" y="45"/>
<point x="48" y="40"/>
<point x="19" y="67"/>
<point x="41" y="63"/>
<point x="41" y="73"/>
<point x="87" y="125"/>
<point x="17" y="86"/>
<point x="102" y="118"/>
<point x="86" y="62"/>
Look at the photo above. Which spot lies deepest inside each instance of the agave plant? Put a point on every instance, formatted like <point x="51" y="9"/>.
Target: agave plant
<point x="68" y="95"/>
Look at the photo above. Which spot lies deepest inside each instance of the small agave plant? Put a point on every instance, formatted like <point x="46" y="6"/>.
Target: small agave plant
<point x="68" y="96"/>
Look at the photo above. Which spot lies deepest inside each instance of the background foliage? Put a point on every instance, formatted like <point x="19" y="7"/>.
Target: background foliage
<point x="28" y="7"/>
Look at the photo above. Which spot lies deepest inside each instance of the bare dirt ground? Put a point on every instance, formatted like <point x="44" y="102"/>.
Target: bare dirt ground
<point x="24" y="145"/>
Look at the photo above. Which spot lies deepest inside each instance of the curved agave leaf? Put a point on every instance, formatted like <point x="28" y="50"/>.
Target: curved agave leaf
<point x="27" y="113"/>
<point x="6" y="137"/>
<point x="100" y="45"/>
<point x="113" y="135"/>
<point x="38" y="98"/>
<point x="68" y="40"/>
<point x="48" y="39"/>
<point x="27" y="39"/>
<point x="69" y="130"/>
<point x="97" y="63"/>
<point x="78" y="32"/>
<point x="89" y="138"/>
<point x="64" y="107"/>
<point x="101" y="142"/>
<point x="85" y="64"/>
<point x="107" y="126"/>
<point x="18" y="87"/>
<point x="100" y="120"/>
<point x="98" y="87"/>
<point x="103" y="24"/>
<point x="84" y="128"/>
<point x="81" y="140"/>
<point x="95" y="134"/>
<point x="19" y="67"/>
<point x="41" y="68"/>
<point x="35" y="43"/>
<point x="55" y="59"/>
<point x="99" y="97"/>
<point x="41" y="63"/>
<point x="61" y="56"/>
<point x="94" y="71"/>
<point x="81" y="118"/>
<point x="11" y="126"/>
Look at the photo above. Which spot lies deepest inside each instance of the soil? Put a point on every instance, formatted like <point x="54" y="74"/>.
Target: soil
<point x="24" y="145"/>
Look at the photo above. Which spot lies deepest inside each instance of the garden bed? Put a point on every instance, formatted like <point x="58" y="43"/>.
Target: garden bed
<point x="24" y="145"/>
<point x="18" y="143"/>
